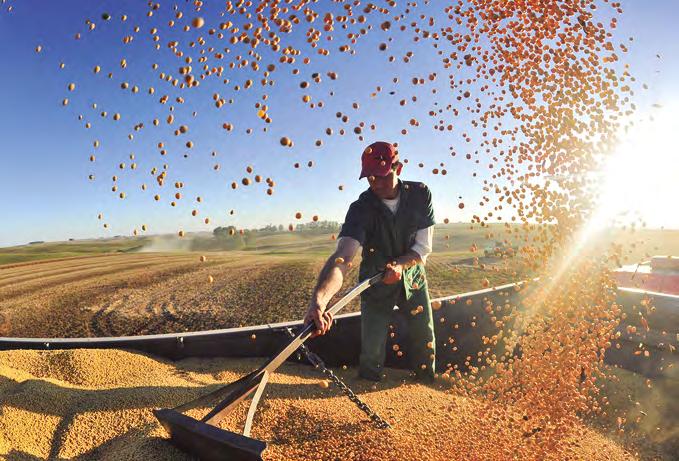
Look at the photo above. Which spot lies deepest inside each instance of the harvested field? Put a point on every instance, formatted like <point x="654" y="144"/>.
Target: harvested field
<point x="136" y="293"/>
<point x="144" y="293"/>
<point x="102" y="288"/>
<point x="95" y="404"/>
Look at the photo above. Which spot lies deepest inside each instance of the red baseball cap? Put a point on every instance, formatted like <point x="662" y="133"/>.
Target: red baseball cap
<point x="377" y="159"/>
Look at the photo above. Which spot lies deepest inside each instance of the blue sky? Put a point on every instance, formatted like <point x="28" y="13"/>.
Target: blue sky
<point x="44" y="190"/>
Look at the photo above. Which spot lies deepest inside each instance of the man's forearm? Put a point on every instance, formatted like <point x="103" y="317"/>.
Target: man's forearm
<point x="330" y="281"/>
<point x="331" y="277"/>
<point x="411" y="258"/>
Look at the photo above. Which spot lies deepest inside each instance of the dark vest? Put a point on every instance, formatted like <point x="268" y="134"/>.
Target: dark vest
<point x="388" y="236"/>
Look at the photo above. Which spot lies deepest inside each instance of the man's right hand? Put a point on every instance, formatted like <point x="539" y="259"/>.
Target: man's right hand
<point x="316" y="313"/>
<point x="393" y="273"/>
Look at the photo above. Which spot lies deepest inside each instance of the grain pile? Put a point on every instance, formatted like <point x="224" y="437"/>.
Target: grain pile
<point x="97" y="405"/>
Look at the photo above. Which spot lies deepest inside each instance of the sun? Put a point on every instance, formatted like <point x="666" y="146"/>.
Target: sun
<point x="639" y="182"/>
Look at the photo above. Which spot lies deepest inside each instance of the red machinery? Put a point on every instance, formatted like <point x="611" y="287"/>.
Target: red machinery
<point x="659" y="275"/>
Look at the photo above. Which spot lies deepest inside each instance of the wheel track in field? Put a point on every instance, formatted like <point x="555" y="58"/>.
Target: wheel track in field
<point x="161" y="317"/>
<point x="100" y="323"/>
<point x="167" y="310"/>
<point x="143" y="328"/>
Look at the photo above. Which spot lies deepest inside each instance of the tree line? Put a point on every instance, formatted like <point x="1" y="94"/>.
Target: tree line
<point x="312" y="226"/>
<point x="231" y="238"/>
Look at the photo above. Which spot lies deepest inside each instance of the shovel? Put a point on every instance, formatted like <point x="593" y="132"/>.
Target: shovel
<point x="202" y="438"/>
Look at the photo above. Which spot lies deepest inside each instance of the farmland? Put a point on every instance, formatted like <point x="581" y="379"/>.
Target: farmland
<point x="134" y="286"/>
<point x="118" y="287"/>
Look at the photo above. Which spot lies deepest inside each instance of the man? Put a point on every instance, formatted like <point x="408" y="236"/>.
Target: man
<point x="393" y="221"/>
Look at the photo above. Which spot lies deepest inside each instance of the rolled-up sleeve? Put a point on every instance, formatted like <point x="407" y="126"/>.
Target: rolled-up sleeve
<point x="423" y="245"/>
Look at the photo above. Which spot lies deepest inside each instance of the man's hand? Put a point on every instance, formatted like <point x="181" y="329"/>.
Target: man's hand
<point x="316" y="313"/>
<point x="393" y="273"/>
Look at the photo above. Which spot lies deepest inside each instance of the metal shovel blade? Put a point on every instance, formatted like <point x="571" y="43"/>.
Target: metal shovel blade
<point x="208" y="442"/>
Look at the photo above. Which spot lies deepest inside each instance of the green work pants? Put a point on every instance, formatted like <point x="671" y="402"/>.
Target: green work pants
<point x="421" y="347"/>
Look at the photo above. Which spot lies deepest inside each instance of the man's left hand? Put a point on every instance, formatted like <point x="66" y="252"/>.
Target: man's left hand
<point x="393" y="273"/>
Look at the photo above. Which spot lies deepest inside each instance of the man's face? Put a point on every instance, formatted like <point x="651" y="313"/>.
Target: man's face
<point x="384" y="186"/>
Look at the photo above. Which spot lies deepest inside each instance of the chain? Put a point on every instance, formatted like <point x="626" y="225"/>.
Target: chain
<point x="318" y="363"/>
